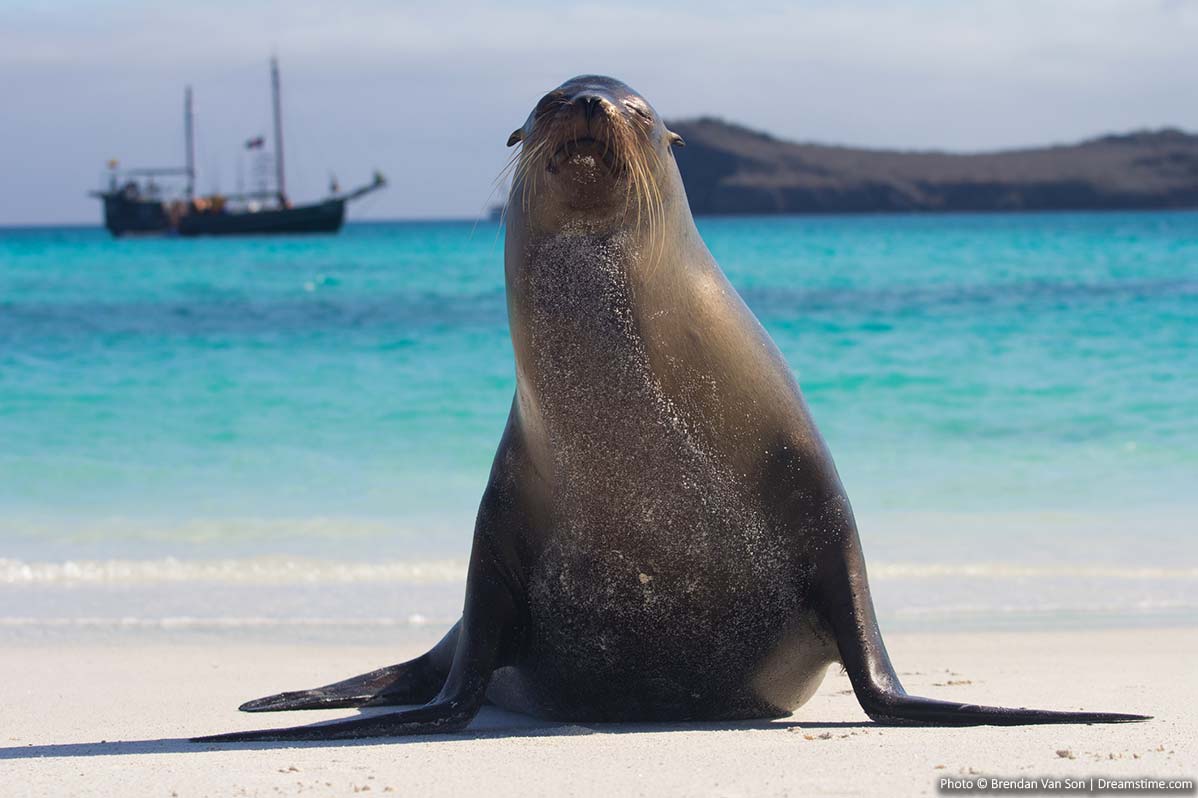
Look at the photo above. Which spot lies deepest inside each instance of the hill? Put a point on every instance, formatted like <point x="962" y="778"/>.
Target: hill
<point x="729" y="169"/>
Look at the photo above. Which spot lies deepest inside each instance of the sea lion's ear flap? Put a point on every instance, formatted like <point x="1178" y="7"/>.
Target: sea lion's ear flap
<point x="517" y="136"/>
<point x="675" y="139"/>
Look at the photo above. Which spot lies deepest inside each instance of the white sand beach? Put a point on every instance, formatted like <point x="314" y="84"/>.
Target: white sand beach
<point x="114" y="718"/>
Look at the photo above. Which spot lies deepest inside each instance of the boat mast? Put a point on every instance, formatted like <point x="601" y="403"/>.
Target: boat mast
<point x="274" y="88"/>
<point x="189" y="142"/>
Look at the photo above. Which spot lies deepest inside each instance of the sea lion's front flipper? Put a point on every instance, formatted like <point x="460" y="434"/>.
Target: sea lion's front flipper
<point x="409" y="683"/>
<point x="850" y="611"/>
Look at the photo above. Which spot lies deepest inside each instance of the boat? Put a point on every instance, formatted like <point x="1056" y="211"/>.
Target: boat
<point x="135" y="202"/>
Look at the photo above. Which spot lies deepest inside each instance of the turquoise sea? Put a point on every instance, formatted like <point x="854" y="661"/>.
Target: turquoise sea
<point x="293" y="433"/>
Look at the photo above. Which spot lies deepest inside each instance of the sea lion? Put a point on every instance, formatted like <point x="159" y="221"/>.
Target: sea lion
<point x="663" y="536"/>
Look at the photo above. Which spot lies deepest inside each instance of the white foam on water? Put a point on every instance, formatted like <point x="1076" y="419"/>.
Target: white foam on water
<point x="253" y="570"/>
<point x="299" y="570"/>
<point x="224" y="531"/>
<point x="187" y="622"/>
<point x="1131" y="608"/>
<point x="885" y="571"/>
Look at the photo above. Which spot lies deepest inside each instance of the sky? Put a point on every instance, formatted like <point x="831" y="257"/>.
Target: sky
<point x="429" y="92"/>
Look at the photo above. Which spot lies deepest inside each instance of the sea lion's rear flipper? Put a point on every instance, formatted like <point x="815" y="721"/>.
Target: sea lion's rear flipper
<point x="441" y="716"/>
<point x="850" y="612"/>
<point x="485" y="639"/>
<point x="413" y="682"/>
<point x="484" y="636"/>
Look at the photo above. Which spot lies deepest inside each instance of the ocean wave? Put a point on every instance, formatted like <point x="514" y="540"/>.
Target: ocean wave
<point x="1144" y="606"/>
<point x="256" y="570"/>
<point x="207" y="531"/>
<point x="924" y="618"/>
<point x="784" y="299"/>
<point x="189" y="622"/>
<point x="1014" y="571"/>
<point x="306" y="571"/>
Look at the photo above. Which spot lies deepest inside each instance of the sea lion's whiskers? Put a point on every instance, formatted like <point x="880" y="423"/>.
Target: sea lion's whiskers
<point x="640" y="178"/>
<point x="520" y="175"/>
<point x="648" y="167"/>
<point x="512" y="173"/>
<point x="528" y="168"/>
<point x="659" y="200"/>
<point x="526" y="173"/>
<point x="627" y="169"/>
<point x="508" y="174"/>
<point x="639" y="181"/>
<point x="647" y="191"/>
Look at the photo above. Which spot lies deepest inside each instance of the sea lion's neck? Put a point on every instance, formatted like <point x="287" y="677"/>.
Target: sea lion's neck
<point x="631" y="245"/>
<point x="572" y="273"/>
<point x="587" y="290"/>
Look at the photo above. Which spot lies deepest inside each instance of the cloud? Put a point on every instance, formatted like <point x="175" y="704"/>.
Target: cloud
<point x="429" y="91"/>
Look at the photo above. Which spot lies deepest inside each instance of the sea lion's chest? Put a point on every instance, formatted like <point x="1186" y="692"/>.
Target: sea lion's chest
<point x="583" y="327"/>
<point x="619" y="445"/>
<point x="649" y="521"/>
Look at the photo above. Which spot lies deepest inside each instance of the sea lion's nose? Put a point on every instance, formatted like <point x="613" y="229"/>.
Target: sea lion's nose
<point x="589" y="102"/>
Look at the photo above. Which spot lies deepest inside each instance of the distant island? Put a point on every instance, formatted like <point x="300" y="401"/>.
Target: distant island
<point x="729" y="169"/>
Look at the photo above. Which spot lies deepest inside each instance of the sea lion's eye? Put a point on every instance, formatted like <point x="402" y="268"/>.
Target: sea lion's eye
<point x="639" y="111"/>
<point x="548" y="102"/>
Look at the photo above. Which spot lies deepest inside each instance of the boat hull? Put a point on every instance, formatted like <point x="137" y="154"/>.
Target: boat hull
<point x="124" y="216"/>
<point x="322" y="217"/>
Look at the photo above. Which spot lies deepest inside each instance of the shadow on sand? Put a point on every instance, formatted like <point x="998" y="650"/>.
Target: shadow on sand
<point x="491" y="723"/>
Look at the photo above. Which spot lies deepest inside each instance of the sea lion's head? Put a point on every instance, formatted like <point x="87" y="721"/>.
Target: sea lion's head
<point x="593" y="149"/>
